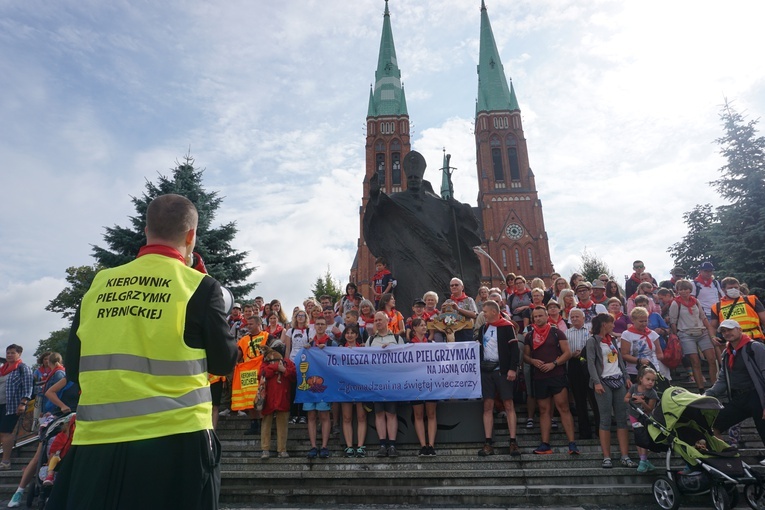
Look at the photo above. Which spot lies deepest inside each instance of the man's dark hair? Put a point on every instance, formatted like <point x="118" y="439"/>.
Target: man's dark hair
<point x="13" y="347"/>
<point x="170" y="216"/>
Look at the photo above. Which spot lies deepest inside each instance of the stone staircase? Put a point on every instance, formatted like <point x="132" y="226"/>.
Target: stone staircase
<point x="456" y="477"/>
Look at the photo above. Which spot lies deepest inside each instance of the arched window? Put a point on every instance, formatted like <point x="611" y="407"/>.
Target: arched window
<point x="380" y="146"/>
<point x="531" y="258"/>
<point x="496" y="159"/>
<point x="395" y="173"/>
<point x="381" y="168"/>
<point x="504" y="258"/>
<point x="517" y="259"/>
<point x="395" y="145"/>
<point x="512" y="157"/>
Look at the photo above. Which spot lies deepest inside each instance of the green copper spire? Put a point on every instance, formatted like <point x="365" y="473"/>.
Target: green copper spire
<point x="493" y="92"/>
<point x="387" y="97"/>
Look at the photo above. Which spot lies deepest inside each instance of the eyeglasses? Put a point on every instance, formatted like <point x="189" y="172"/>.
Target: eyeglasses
<point x="638" y="267"/>
<point x="454" y="285"/>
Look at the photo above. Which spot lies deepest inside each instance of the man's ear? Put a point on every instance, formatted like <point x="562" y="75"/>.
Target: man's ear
<point x="190" y="236"/>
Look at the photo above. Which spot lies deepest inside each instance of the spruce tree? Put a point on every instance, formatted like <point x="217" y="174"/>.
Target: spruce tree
<point x="214" y="244"/>
<point x="740" y="243"/>
<point x="733" y="235"/>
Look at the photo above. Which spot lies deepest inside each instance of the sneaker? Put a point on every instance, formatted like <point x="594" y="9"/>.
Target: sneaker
<point x="572" y="449"/>
<point x="530" y="423"/>
<point x="16" y="499"/>
<point x="486" y="450"/>
<point x="642" y="468"/>
<point x="543" y="449"/>
<point x="514" y="450"/>
<point x="554" y="424"/>
<point x="627" y="462"/>
<point x="382" y="452"/>
<point x="225" y="412"/>
<point x="361" y="452"/>
<point x="265" y="455"/>
<point x="607" y="463"/>
<point x="431" y="451"/>
<point x="294" y="420"/>
<point x="350" y="452"/>
<point x="649" y="467"/>
<point x="241" y="413"/>
<point x="5" y="466"/>
<point x="423" y="451"/>
<point x="324" y="453"/>
<point x="313" y="453"/>
<point x="302" y="420"/>
<point x="392" y="452"/>
<point x="284" y="455"/>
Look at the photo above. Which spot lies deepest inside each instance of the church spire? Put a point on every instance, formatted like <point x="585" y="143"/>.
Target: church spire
<point x="493" y="91"/>
<point x="387" y="97"/>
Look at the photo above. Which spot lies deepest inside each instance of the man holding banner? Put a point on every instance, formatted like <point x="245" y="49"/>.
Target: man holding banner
<point x="386" y="420"/>
<point x="500" y="357"/>
<point x="244" y="387"/>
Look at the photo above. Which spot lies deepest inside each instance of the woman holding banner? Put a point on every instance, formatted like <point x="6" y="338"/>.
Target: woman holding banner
<point x="420" y="335"/>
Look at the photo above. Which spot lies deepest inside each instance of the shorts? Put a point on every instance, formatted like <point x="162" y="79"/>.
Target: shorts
<point x="549" y="386"/>
<point x="388" y="407"/>
<point x="7" y="421"/>
<point x="493" y="383"/>
<point x="216" y="390"/>
<point x="692" y="344"/>
<point x="316" y="406"/>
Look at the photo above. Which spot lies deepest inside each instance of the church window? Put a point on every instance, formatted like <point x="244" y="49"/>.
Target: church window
<point x="395" y="174"/>
<point x="496" y="158"/>
<point x="504" y="258"/>
<point x="531" y="259"/>
<point x="512" y="156"/>
<point x="380" y="146"/>
<point x="517" y="259"/>
<point x="381" y="168"/>
<point x="395" y="145"/>
<point x="500" y="123"/>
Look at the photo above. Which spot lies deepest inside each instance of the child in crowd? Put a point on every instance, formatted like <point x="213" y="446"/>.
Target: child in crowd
<point x="418" y="310"/>
<point x="279" y="375"/>
<point x="351" y="338"/>
<point x="643" y="395"/>
<point x="383" y="279"/>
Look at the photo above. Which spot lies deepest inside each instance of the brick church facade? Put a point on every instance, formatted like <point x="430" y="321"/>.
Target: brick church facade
<point x="509" y="210"/>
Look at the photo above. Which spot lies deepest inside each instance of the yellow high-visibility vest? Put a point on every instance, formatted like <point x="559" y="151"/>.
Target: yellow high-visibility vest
<point x="139" y="379"/>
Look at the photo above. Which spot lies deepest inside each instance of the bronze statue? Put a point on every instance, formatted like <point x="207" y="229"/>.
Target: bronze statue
<point x="426" y="239"/>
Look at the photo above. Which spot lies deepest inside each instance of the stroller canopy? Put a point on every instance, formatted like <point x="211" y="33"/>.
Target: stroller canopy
<point x="676" y="401"/>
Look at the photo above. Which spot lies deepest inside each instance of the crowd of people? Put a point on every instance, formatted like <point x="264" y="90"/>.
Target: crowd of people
<point x="571" y="344"/>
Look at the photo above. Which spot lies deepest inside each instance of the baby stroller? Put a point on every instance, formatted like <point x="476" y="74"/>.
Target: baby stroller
<point x="49" y="429"/>
<point x="681" y="423"/>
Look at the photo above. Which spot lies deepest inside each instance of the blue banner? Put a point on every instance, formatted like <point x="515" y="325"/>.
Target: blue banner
<point x="433" y="371"/>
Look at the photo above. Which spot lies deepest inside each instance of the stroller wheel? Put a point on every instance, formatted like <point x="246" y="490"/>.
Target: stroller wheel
<point x="720" y="498"/>
<point x="666" y="494"/>
<point x="755" y="496"/>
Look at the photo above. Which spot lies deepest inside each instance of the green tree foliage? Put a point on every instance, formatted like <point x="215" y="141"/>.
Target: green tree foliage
<point x="213" y="244"/>
<point x="327" y="285"/>
<point x="68" y="300"/>
<point x="592" y="267"/>
<point x="56" y="342"/>
<point x="733" y="237"/>
<point x="698" y="244"/>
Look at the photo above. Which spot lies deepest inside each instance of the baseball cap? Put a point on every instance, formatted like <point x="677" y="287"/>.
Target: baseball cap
<point x="706" y="266"/>
<point x="237" y="305"/>
<point x="729" y="324"/>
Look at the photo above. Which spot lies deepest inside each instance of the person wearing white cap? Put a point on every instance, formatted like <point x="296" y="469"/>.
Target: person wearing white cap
<point x="741" y="380"/>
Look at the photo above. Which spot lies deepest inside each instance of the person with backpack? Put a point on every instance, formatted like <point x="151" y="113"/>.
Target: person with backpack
<point x="748" y="311"/>
<point x="740" y="380"/>
<point x="707" y="290"/>
<point x="689" y="322"/>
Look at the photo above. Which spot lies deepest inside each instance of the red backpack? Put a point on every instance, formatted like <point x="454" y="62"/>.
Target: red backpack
<point x="673" y="353"/>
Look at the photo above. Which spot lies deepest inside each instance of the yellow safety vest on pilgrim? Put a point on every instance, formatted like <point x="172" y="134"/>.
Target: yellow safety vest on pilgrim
<point x="138" y="377"/>
<point x="742" y="311"/>
<point x="244" y="386"/>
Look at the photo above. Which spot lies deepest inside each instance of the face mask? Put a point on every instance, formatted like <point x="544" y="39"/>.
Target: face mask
<point x="733" y="293"/>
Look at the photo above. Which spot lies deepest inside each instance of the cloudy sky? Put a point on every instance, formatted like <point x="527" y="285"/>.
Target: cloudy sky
<point x="620" y="104"/>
